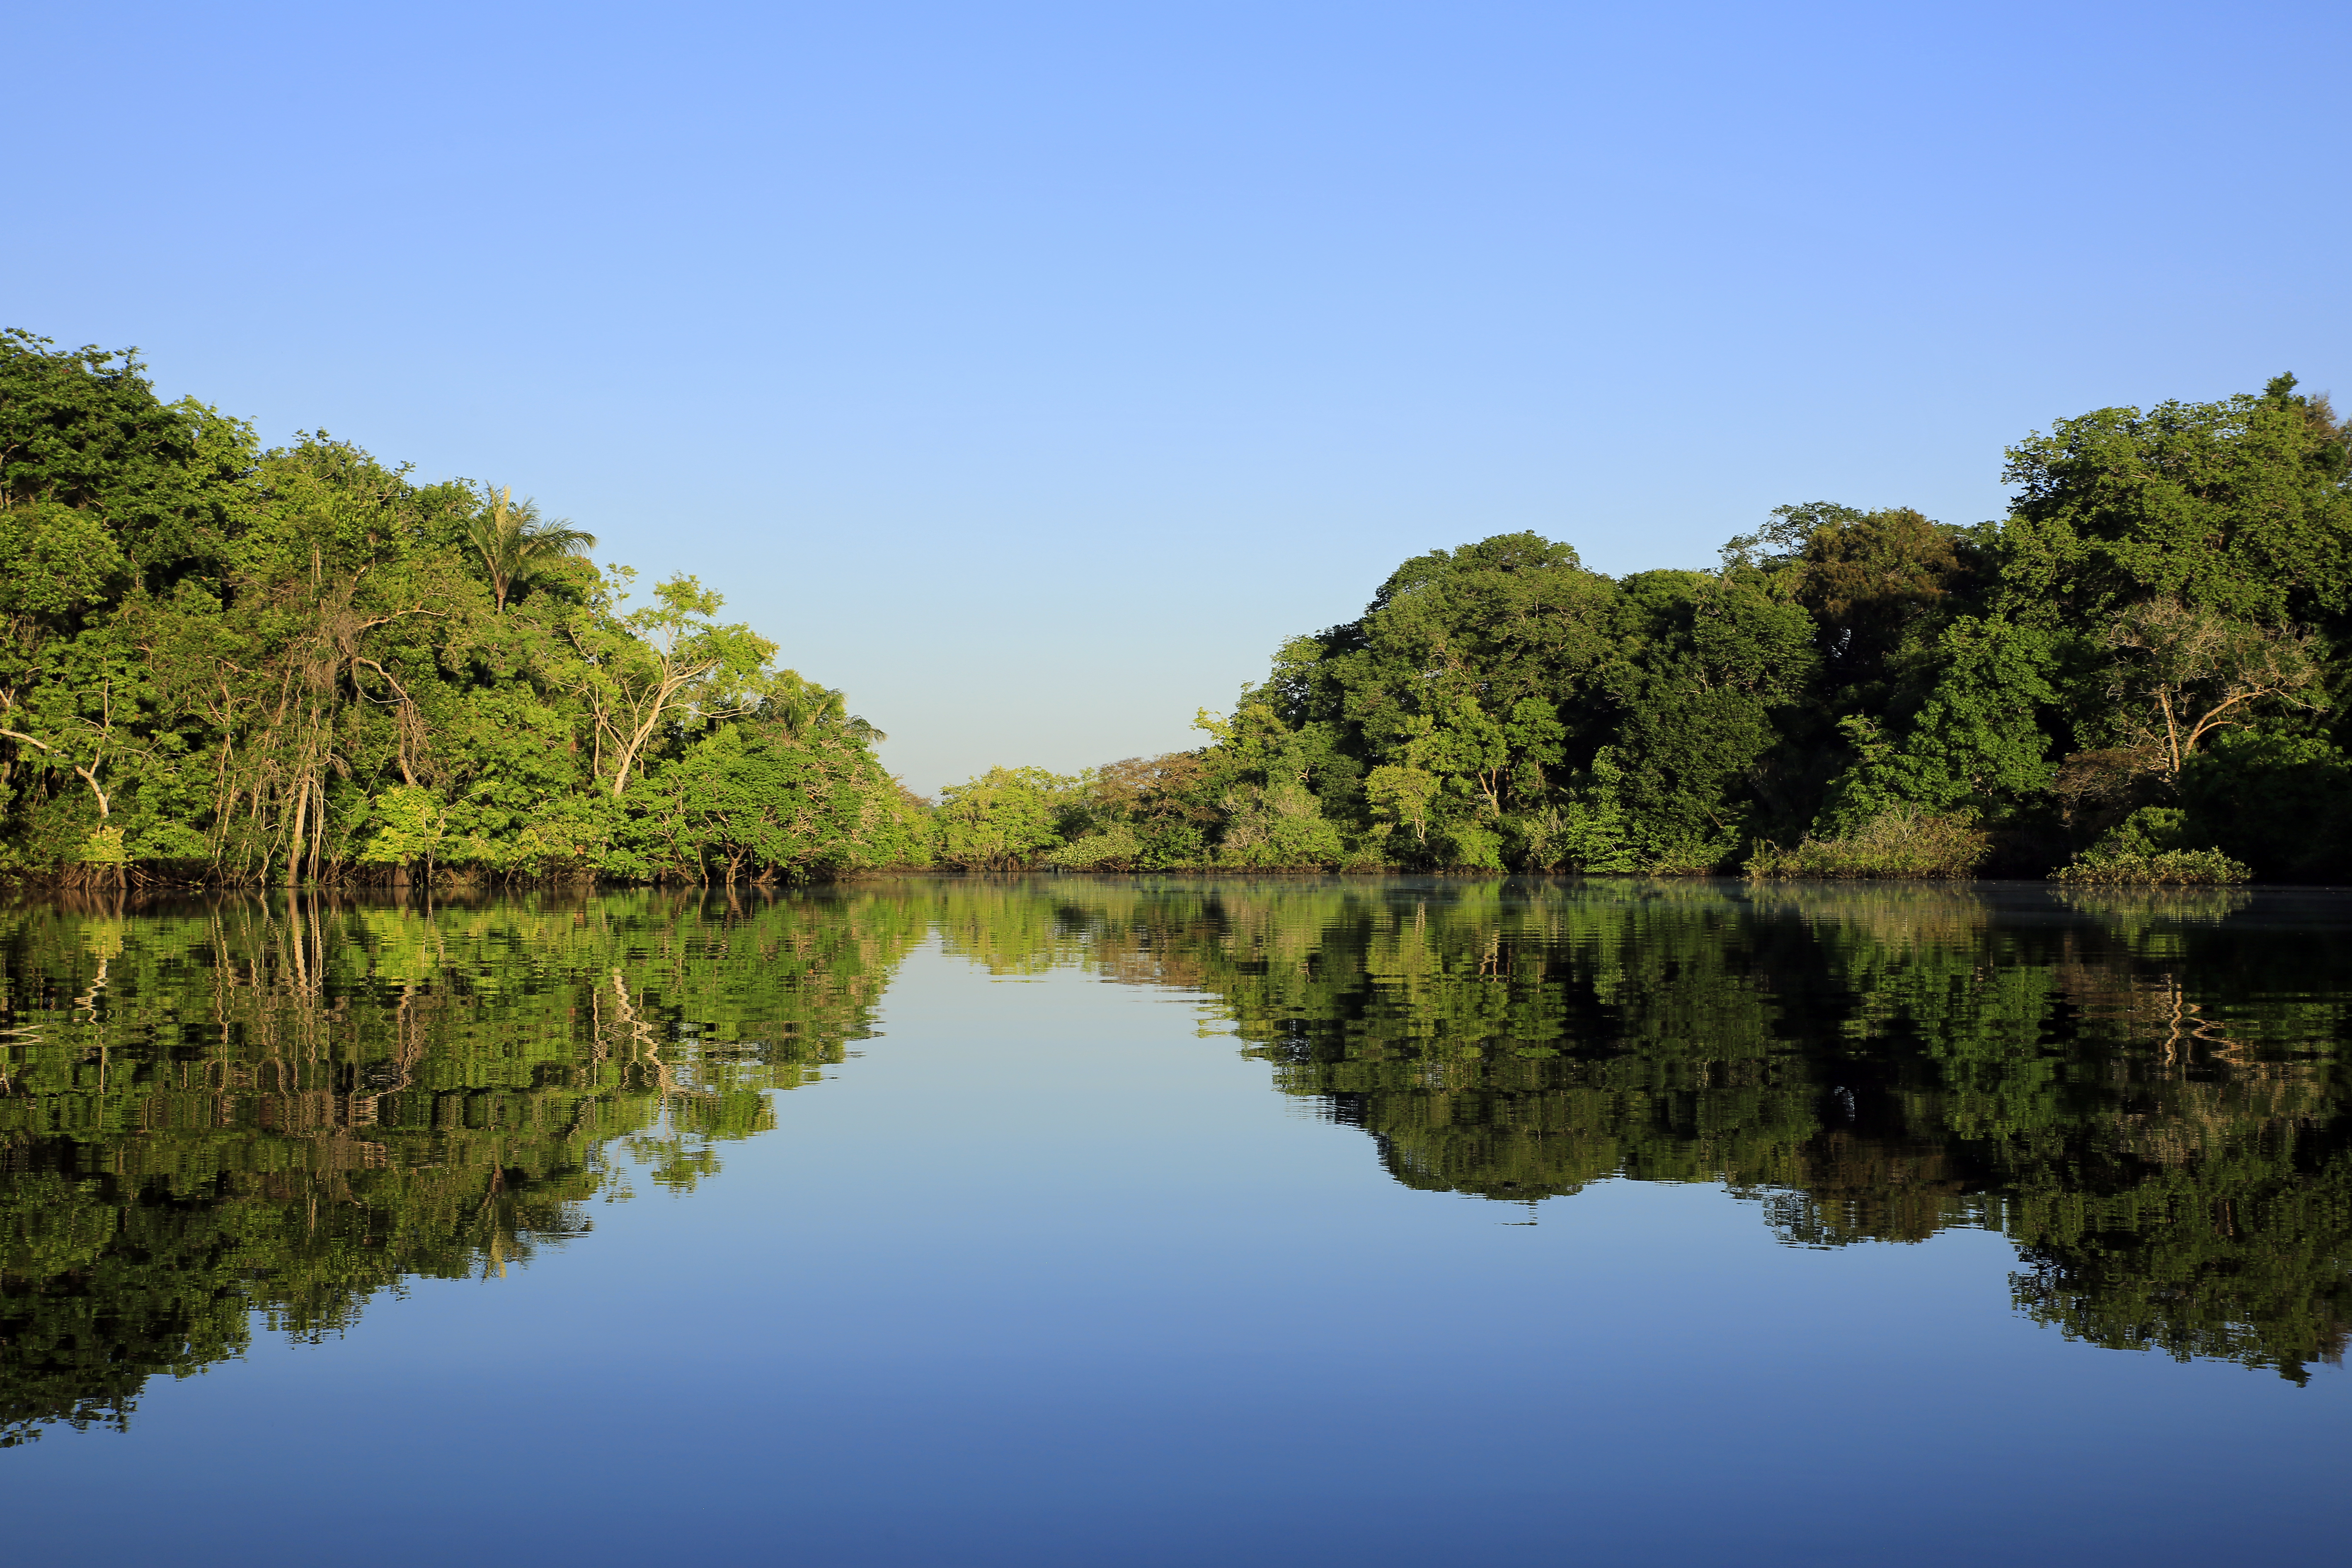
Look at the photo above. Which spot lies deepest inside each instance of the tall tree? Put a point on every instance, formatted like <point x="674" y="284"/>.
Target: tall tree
<point x="670" y="661"/>
<point x="2242" y="505"/>
<point x="516" y="544"/>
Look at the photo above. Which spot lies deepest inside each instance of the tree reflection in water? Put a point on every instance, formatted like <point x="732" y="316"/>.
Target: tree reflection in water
<point x="274" y="1109"/>
<point x="2143" y="1092"/>
<point x="251" y="1108"/>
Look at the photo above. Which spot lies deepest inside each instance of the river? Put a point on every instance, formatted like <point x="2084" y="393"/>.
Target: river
<point x="1070" y="1221"/>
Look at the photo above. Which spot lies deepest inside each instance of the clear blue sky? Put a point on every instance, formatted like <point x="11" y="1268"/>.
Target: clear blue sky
<point x="1030" y="371"/>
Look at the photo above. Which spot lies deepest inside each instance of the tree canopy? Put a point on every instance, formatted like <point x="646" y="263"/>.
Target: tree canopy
<point x="224" y="663"/>
<point x="220" y="663"/>
<point x="2130" y="677"/>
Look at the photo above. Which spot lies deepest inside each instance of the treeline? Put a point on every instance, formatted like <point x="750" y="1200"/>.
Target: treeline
<point x="2135" y="677"/>
<point x="224" y="663"/>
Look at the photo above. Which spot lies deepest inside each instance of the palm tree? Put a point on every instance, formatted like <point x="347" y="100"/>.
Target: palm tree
<point x="515" y="544"/>
<point x="800" y="707"/>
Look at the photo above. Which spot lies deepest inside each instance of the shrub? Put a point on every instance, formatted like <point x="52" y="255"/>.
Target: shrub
<point x="1900" y="842"/>
<point x="2154" y="844"/>
<point x="1114" y="848"/>
<point x="2182" y="867"/>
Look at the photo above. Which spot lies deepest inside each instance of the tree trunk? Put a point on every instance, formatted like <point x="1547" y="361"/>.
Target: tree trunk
<point x="294" y="842"/>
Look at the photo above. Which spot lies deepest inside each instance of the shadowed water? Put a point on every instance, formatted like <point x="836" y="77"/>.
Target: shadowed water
<point x="232" y="1134"/>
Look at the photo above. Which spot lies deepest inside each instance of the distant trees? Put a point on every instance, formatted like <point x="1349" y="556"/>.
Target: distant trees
<point x="1001" y="820"/>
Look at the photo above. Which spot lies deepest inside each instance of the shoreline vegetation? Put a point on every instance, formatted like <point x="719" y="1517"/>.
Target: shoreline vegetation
<point x="230" y="666"/>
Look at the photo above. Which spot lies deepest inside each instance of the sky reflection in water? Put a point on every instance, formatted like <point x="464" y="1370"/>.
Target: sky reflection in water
<point x="1041" y="1272"/>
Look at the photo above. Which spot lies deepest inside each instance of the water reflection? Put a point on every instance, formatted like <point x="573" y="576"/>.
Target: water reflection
<point x="262" y="1108"/>
<point x="2143" y="1093"/>
<point x="249" y="1107"/>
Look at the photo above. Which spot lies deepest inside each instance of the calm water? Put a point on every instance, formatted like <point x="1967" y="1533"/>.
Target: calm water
<point x="1105" y="1222"/>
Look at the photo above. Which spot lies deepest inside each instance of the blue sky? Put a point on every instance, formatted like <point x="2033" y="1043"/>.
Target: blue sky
<point x="1031" y="371"/>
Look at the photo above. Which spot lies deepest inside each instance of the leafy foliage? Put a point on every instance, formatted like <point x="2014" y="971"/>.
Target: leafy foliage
<point x="2157" y="623"/>
<point x="300" y="665"/>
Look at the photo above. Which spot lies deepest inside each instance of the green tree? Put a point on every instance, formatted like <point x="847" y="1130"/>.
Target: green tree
<point x="303" y="666"/>
<point x="1878" y="585"/>
<point x="2241" y="506"/>
<point x="1001" y="820"/>
<point x="515" y="543"/>
<point x="1705" y="664"/>
<point x="792" y="792"/>
<point x="2181" y="672"/>
<point x="1976" y="747"/>
<point x="668" y="662"/>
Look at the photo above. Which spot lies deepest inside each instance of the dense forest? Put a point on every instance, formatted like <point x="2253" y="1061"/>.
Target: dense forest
<point x="224" y="663"/>
<point x="219" y="662"/>
<point x="2135" y="677"/>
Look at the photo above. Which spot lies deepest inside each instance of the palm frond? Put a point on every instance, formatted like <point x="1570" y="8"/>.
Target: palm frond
<point x="514" y="539"/>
